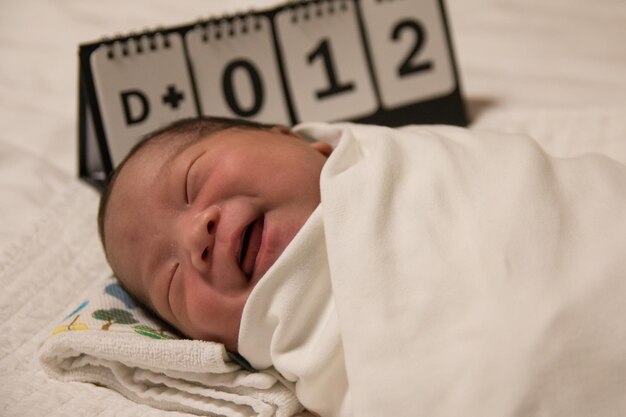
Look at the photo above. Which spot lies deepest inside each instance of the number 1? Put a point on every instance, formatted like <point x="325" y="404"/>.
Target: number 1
<point x="334" y="85"/>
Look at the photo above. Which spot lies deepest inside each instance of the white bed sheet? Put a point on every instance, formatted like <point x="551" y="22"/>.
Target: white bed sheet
<point x="554" y="69"/>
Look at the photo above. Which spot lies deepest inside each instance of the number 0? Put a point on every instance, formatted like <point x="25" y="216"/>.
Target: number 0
<point x="229" y="88"/>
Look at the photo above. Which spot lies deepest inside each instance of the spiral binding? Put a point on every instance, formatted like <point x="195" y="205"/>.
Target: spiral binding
<point x="308" y="9"/>
<point x="219" y="27"/>
<point x="136" y="43"/>
<point x="228" y="26"/>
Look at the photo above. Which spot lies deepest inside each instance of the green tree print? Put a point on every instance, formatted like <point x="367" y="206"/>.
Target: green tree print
<point x="113" y="315"/>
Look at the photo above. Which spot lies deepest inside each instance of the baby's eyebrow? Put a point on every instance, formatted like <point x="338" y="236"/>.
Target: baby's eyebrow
<point x="184" y="143"/>
<point x="164" y="176"/>
<point x="172" y="146"/>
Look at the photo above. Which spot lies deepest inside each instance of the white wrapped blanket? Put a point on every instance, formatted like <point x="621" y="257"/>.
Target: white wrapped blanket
<point x="469" y="273"/>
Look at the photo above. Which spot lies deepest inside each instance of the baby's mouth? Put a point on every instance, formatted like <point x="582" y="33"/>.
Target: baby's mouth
<point x="250" y="245"/>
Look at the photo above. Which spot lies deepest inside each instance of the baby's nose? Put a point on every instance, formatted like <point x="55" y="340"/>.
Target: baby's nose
<point x="201" y="237"/>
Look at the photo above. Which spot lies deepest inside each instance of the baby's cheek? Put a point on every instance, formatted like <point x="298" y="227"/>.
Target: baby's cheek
<point x="203" y="311"/>
<point x="172" y="306"/>
<point x="234" y="171"/>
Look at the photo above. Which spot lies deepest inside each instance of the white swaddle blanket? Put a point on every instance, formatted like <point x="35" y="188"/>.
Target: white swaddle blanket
<point x="467" y="273"/>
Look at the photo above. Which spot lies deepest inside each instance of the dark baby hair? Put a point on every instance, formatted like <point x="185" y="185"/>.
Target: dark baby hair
<point x="186" y="132"/>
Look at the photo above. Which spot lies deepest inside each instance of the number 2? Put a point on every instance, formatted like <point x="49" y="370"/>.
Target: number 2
<point x="408" y="66"/>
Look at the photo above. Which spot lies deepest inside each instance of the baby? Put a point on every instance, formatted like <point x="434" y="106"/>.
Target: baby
<point x="199" y="210"/>
<point x="432" y="268"/>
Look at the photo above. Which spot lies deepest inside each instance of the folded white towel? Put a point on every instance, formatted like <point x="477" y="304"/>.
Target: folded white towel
<point x="108" y="339"/>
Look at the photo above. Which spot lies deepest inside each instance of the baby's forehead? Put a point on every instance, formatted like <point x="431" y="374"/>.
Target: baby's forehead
<point x="165" y="146"/>
<point x="148" y="160"/>
<point x="156" y="157"/>
<point x="138" y="175"/>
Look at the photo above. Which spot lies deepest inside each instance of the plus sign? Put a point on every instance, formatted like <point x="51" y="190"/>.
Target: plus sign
<point x="172" y="96"/>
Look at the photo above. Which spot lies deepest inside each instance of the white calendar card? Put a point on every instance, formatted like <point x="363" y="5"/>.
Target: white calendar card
<point x="409" y="50"/>
<point x="387" y="62"/>
<point x="325" y="63"/>
<point x="142" y="84"/>
<point x="236" y="71"/>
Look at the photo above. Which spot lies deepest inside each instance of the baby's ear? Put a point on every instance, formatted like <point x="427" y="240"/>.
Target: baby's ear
<point x="322" y="147"/>
<point x="282" y="129"/>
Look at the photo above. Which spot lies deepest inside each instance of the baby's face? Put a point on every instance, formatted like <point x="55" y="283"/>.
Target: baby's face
<point x="190" y="232"/>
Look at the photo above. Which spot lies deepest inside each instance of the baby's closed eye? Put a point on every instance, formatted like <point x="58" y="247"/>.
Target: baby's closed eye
<point x="189" y="189"/>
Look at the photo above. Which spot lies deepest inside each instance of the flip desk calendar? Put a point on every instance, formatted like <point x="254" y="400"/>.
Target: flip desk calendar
<point x="387" y="62"/>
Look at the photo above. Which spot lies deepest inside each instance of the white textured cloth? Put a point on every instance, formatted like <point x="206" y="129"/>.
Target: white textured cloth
<point x="470" y="274"/>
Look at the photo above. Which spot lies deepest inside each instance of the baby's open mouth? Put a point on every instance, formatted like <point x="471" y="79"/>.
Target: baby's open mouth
<point x="250" y="245"/>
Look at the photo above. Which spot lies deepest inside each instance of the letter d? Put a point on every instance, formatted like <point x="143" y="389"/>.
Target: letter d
<point x="136" y="113"/>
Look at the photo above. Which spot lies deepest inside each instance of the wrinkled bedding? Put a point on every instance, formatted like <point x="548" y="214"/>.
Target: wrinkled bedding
<point x="551" y="69"/>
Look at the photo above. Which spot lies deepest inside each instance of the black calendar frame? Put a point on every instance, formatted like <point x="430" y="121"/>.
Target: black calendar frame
<point x="448" y="109"/>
